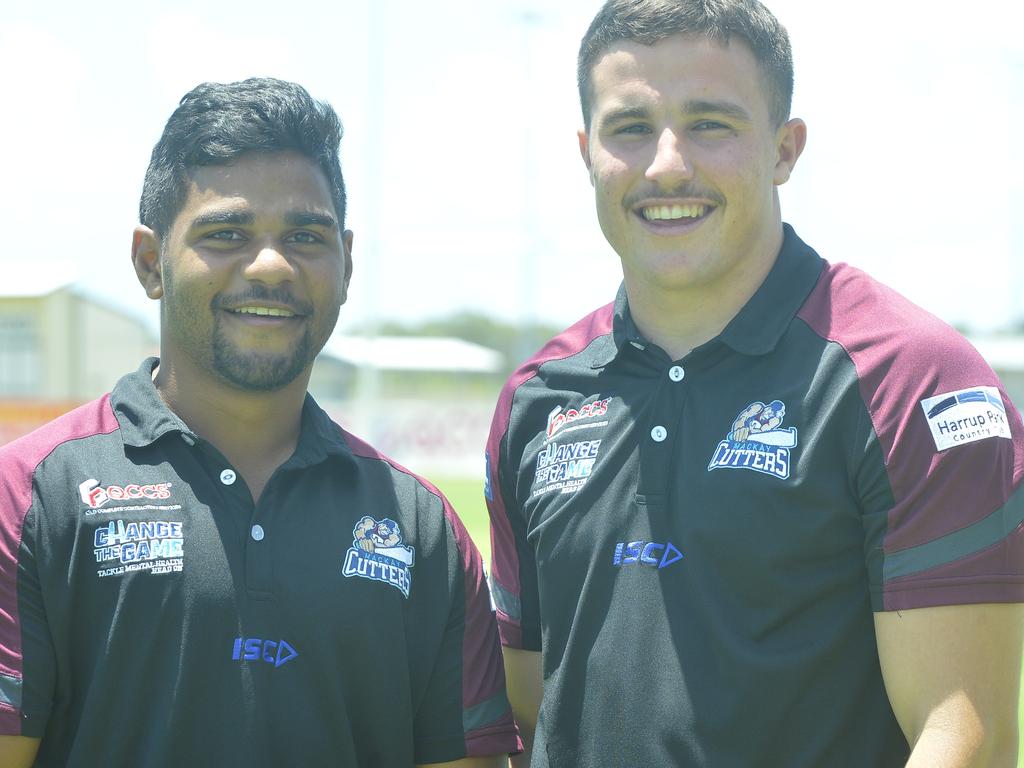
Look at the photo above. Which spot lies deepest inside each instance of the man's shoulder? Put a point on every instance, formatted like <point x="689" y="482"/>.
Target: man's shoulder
<point x="413" y="493"/>
<point x="89" y="420"/>
<point x="21" y="459"/>
<point x="571" y="345"/>
<point x="908" y="363"/>
<point x="850" y="307"/>
<point x="406" y="483"/>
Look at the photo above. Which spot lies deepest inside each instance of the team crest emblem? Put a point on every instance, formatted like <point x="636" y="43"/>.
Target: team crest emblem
<point x="757" y="441"/>
<point x="377" y="553"/>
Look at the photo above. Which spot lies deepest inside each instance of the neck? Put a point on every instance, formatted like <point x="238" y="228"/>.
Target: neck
<point x="678" y="319"/>
<point x="256" y="431"/>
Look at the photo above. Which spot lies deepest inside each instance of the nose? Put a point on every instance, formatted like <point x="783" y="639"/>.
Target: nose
<point x="270" y="265"/>
<point x="670" y="164"/>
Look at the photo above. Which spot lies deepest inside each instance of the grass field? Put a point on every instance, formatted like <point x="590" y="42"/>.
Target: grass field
<point x="467" y="496"/>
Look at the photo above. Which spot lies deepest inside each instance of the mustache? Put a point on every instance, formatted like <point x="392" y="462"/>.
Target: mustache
<point x="687" y="190"/>
<point x="257" y="294"/>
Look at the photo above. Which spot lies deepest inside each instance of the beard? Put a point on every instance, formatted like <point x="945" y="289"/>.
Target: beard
<point x="261" y="372"/>
<point x="246" y="368"/>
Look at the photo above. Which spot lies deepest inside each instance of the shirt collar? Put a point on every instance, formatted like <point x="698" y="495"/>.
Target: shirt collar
<point x="144" y="418"/>
<point x="758" y="326"/>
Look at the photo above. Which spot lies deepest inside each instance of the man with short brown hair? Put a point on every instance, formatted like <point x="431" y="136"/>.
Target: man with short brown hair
<point x="760" y="510"/>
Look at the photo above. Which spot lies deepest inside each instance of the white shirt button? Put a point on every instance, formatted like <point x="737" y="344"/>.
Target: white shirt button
<point x="227" y="476"/>
<point x="257" y="532"/>
<point x="659" y="433"/>
<point x="676" y="373"/>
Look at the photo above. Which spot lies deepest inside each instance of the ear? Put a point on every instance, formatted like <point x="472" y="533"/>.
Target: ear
<point x="146" y="260"/>
<point x="790" y="142"/>
<point x="581" y="136"/>
<point x="346" y="255"/>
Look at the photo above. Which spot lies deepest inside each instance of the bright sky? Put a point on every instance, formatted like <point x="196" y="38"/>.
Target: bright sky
<point x="460" y="154"/>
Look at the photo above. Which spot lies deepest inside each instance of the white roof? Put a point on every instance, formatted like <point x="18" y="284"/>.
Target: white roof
<point x="413" y="353"/>
<point x="1004" y="353"/>
<point x="33" y="279"/>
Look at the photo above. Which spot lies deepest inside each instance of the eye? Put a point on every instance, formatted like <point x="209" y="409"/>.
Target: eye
<point x="710" y="125"/>
<point x="226" y="235"/>
<point x="304" y="237"/>
<point x="637" y="129"/>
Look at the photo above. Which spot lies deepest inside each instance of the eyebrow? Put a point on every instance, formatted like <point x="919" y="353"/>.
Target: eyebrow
<point x="725" y="108"/>
<point x="213" y="218"/>
<point x="241" y="218"/>
<point x="623" y="113"/>
<point x="310" y="219"/>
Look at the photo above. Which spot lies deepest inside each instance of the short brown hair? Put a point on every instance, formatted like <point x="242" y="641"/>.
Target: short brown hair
<point x="650" y="21"/>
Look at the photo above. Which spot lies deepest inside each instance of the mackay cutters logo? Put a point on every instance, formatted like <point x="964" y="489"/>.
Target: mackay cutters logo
<point x="758" y="441"/>
<point x="377" y="553"/>
<point x="95" y="496"/>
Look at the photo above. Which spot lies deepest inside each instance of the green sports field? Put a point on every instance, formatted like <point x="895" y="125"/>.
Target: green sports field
<point x="467" y="496"/>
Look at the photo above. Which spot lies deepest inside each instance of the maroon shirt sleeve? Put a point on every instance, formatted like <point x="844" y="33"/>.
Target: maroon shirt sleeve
<point x="510" y="551"/>
<point x="25" y="694"/>
<point x="513" y="562"/>
<point x="943" y="515"/>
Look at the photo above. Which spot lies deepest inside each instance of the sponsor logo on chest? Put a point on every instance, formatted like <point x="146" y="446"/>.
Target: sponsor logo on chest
<point x="155" y="546"/>
<point x="378" y="554"/>
<point x="565" y="467"/>
<point x="757" y="441"/>
<point x="649" y="553"/>
<point x="966" y="416"/>
<point x="274" y="652"/>
<point x="577" y="418"/>
<point x="95" y="496"/>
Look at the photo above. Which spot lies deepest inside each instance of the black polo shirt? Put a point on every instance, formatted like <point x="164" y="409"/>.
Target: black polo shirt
<point x="152" y="615"/>
<point x="698" y="545"/>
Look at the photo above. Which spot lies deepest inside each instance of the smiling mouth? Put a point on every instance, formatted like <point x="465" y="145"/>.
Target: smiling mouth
<point x="690" y="212"/>
<point x="262" y="311"/>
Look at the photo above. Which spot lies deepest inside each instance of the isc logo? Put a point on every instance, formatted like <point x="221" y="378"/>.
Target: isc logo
<point x="646" y="552"/>
<point x="276" y="652"/>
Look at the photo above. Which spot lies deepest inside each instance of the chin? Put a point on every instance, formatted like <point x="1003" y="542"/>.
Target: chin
<point x="256" y="372"/>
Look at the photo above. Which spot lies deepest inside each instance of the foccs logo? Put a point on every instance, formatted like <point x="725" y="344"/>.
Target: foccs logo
<point x="559" y="418"/>
<point x="95" y="496"/>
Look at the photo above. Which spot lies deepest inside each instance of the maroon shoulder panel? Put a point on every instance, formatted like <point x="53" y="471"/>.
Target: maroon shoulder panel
<point x="504" y="555"/>
<point x="903" y="355"/>
<point x="18" y="462"/>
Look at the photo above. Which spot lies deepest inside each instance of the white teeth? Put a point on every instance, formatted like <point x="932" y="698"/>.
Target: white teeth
<point x="671" y="212"/>
<point x="264" y="311"/>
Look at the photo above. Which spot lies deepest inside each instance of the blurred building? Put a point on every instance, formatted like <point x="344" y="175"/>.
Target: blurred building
<point x="425" y="401"/>
<point x="58" y="344"/>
